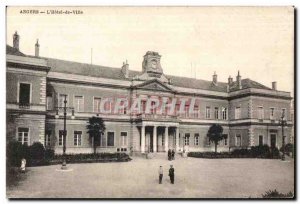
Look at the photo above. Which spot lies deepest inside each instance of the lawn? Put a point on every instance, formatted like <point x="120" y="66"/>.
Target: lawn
<point x="194" y="178"/>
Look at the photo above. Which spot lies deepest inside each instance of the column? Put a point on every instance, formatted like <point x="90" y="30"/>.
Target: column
<point x="166" y="139"/>
<point x="154" y="139"/>
<point x="143" y="139"/>
<point x="177" y="139"/>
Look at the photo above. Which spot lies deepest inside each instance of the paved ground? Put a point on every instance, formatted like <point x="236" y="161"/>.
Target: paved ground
<point x="194" y="178"/>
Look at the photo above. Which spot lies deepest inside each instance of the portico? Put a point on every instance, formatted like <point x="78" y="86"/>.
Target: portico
<point x="159" y="137"/>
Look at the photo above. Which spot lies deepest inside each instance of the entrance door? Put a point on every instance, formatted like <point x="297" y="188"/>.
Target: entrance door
<point x="149" y="139"/>
<point x="273" y="140"/>
<point x="151" y="143"/>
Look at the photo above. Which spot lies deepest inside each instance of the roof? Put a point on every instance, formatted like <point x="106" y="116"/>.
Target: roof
<point x="85" y="69"/>
<point x="13" y="51"/>
<point x="187" y="82"/>
<point x="248" y="83"/>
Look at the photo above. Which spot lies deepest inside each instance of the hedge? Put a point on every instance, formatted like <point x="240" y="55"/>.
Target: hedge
<point x="91" y="158"/>
<point x="37" y="155"/>
<point x="255" y="152"/>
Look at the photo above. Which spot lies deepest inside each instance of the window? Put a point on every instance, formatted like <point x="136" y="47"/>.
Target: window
<point x="196" y="142"/>
<point x="260" y="140"/>
<point x="77" y="138"/>
<point x="225" y="139"/>
<point x="272" y="110"/>
<point x="108" y="106"/>
<point x="163" y="140"/>
<point x="187" y="139"/>
<point x="123" y="138"/>
<point x="24" y="94"/>
<point x="23" y="135"/>
<point x="283" y="112"/>
<point x="177" y="108"/>
<point x="78" y="103"/>
<point x="143" y="106"/>
<point x="260" y="113"/>
<point x="49" y="102"/>
<point x="216" y="113"/>
<point x="97" y="102"/>
<point x="123" y="104"/>
<point x="48" y="138"/>
<point x="61" y="137"/>
<point x="153" y="110"/>
<point x="224" y="113"/>
<point x="196" y="112"/>
<point x="186" y="111"/>
<point x="237" y="112"/>
<point x="207" y="112"/>
<point x="61" y="99"/>
<point x="238" y="141"/>
<point x="110" y="139"/>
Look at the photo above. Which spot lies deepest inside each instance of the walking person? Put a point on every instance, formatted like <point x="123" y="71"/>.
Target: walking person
<point x="172" y="174"/>
<point x="169" y="155"/>
<point x="173" y="154"/>
<point x="160" y="173"/>
<point x="23" y="165"/>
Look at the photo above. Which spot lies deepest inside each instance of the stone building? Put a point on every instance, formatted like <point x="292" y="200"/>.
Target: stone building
<point x="248" y="111"/>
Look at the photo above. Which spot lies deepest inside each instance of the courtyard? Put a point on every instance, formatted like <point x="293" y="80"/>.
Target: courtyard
<point x="194" y="178"/>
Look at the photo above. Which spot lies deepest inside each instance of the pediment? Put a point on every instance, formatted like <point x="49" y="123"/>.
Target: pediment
<point x="154" y="85"/>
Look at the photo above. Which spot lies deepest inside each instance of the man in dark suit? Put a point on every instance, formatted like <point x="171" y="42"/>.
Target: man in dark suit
<point x="160" y="174"/>
<point x="172" y="174"/>
<point x="169" y="155"/>
<point x="173" y="154"/>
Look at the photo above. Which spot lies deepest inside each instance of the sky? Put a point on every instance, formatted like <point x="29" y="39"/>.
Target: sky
<point x="193" y="41"/>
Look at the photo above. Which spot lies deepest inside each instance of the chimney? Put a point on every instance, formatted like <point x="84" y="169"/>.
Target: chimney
<point x="230" y="80"/>
<point x="125" y="69"/>
<point x="37" y="48"/>
<point x="274" y="85"/>
<point x="16" y="39"/>
<point x="239" y="80"/>
<point x="215" y="78"/>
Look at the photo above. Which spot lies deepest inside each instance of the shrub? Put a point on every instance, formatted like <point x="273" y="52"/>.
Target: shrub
<point x="98" y="157"/>
<point x="261" y="151"/>
<point x="15" y="152"/>
<point x="289" y="148"/>
<point x="276" y="194"/>
<point x="275" y="153"/>
<point x="241" y="153"/>
<point x="37" y="151"/>
<point x="49" y="154"/>
<point x="255" y="152"/>
<point x="35" y="154"/>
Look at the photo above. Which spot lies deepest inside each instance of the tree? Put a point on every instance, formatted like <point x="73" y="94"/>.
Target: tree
<point x="96" y="128"/>
<point x="215" y="134"/>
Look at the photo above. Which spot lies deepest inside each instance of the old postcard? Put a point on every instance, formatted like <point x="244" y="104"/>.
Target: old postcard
<point x="150" y="102"/>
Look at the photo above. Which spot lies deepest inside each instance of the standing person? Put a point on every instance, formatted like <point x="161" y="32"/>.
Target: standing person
<point x="173" y="154"/>
<point x="169" y="154"/>
<point x="160" y="173"/>
<point x="172" y="174"/>
<point x="23" y="165"/>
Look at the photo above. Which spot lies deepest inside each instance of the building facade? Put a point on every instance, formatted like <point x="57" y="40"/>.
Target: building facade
<point x="248" y="111"/>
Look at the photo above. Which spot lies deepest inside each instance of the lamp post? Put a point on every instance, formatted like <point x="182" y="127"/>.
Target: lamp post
<point x="282" y="122"/>
<point x="65" y="109"/>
